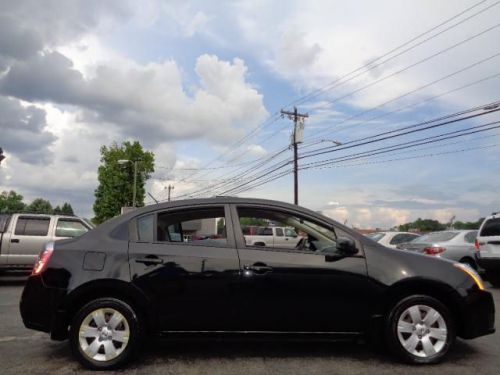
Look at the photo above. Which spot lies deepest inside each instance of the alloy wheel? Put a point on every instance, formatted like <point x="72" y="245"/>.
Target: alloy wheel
<point x="422" y="331"/>
<point x="103" y="334"/>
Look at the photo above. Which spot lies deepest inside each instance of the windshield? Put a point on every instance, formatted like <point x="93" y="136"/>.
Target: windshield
<point x="377" y="236"/>
<point x="435" y="237"/>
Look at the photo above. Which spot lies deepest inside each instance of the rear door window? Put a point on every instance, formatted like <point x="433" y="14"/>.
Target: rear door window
<point x="204" y="226"/>
<point x="70" y="228"/>
<point x="491" y="228"/>
<point x="470" y="237"/>
<point x="399" y="238"/>
<point x="32" y="226"/>
<point x="145" y="228"/>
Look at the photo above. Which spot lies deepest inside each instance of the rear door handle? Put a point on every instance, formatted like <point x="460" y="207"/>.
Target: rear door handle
<point x="15" y="240"/>
<point x="149" y="260"/>
<point x="258" y="269"/>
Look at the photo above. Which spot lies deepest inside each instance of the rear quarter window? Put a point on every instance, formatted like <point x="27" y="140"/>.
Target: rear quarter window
<point x="491" y="228"/>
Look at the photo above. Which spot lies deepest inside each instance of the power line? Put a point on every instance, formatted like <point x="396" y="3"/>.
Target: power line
<point x="492" y="107"/>
<point x="422" y="141"/>
<point x="257" y="177"/>
<point x="482" y="61"/>
<point x="406" y="158"/>
<point x="369" y="66"/>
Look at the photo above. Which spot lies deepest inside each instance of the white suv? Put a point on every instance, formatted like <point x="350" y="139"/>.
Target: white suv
<point x="488" y="244"/>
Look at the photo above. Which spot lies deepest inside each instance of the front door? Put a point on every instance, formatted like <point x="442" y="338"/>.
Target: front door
<point x="188" y="267"/>
<point x="301" y="289"/>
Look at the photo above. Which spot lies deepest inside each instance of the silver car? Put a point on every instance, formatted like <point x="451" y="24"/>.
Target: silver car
<point x="456" y="245"/>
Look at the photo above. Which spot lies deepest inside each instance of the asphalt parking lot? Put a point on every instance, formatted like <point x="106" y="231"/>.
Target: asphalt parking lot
<point x="23" y="351"/>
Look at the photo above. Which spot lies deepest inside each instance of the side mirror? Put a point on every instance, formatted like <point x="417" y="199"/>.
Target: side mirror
<point x="345" y="247"/>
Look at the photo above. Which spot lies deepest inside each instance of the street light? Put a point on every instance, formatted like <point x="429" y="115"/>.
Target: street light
<point x="125" y="161"/>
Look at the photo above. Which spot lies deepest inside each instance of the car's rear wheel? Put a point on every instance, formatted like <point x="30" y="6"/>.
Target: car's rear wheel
<point x="420" y="329"/>
<point x="493" y="278"/>
<point x="105" y="334"/>
<point x="470" y="262"/>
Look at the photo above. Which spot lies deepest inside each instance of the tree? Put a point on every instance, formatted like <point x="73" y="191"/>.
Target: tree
<point x="115" y="188"/>
<point x="67" y="209"/>
<point x="468" y="224"/>
<point x="248" y="221"/>
<point x="423" y="225"/>
<point x="11" y="202"/>
<point x="40" y="206"/>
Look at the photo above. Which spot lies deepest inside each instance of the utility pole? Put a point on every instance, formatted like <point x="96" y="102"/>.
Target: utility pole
<point x="135" y="183"/>
<point x="297" y="136"/>
<point x="170" y="187"/>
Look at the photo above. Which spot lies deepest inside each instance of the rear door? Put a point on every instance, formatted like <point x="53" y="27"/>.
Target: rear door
<point x="185" y="261"/>
<point x="489" y="238"/>
<point x="29" y="235"/>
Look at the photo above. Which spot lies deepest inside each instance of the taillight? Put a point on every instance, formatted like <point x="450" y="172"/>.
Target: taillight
<point x="42" y="260"/>
<point x="476" y="244"/>
<point x="434" y="250"/>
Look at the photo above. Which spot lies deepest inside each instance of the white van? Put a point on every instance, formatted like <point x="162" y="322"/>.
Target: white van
<point x="488" y="244"/>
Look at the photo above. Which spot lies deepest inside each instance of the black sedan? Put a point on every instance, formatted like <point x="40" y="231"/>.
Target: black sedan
<point x="184" y="269"/>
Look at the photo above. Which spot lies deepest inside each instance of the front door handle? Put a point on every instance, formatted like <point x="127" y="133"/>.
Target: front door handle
<point x="258" y="269"/>
<point x="149" y="260"/>
<point x="15" y="240"/>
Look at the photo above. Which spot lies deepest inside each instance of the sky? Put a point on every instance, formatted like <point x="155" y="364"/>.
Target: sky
<point x="201" y="84"/>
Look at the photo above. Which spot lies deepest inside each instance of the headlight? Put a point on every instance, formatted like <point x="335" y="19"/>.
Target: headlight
<point x="472" y="273"/>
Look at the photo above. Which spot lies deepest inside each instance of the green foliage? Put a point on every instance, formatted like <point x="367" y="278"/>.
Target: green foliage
<point x="40" y="206"/>
<point x="423" y="225"/>
<point x="221" y="223"/>
<point x="248" y="221"/>
<point x="65" y="210"/>
<point x="11" y="202"/>
<point x="116" y="181"/>
<point x="468" y="224"/>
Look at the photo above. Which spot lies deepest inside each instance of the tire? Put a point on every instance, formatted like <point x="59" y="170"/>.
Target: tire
<point x="493" y="278"/>
<point x="111" y="337"/>
<point x="470" y="262"/>
<point x="414" y="338"/>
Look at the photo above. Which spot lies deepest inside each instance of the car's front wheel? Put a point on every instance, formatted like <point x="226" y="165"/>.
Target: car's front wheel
<point x="104" y="334"/>
<point x="420" y="329"/>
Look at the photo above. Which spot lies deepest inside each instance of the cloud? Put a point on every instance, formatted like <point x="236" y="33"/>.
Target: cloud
<point x="197" y="24"/>
<point x="23" y="133"/>
<point x="146" y="101"/>
<point x="294" y="53"/>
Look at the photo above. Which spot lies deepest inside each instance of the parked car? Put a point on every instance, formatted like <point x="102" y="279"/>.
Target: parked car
<point x="392" y="239"/>
<point x="274" y="237"/>
<point x="22" y="236"/>
<point x="457" y="245"/>
<point x="488" y="244"/>
<point x="129" y="280"/>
